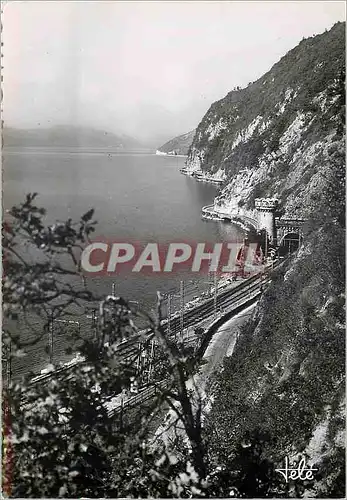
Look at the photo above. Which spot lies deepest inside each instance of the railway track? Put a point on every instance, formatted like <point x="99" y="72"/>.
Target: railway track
<point x="190" y="317"/>
<point x="231" y="299"/>
<point x="244" y="297"/>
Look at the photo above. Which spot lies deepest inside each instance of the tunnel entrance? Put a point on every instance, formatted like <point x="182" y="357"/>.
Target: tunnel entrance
<point x="289" y="244"/>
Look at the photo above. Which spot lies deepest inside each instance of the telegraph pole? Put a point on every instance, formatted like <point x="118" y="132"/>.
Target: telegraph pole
<point x="51" y="338"/>
<point x="138" y="361"/>
<point x="169" y="314"/>
<point x="210" y="282"/>
<point x="182" y="306"/>
<point x="210" y="276"/>
<point x="265" y="245"/>
<point x="94" y="324"/>
<point x="121" y="413"/>
<point x="215" y="294"/>
<point x="151" y="361"/>
<point x="8" y="364"/>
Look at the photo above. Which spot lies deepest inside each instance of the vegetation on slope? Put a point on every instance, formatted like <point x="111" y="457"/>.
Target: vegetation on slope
<point x="59" y="437"/>
<point x="282" y="392"/>
<point x="286" y="377"/>
<point x="179" y="145"/>
<point x="247" y="125"/>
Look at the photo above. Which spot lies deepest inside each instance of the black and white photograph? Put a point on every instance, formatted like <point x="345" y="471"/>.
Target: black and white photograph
<point x="173" y="249"/>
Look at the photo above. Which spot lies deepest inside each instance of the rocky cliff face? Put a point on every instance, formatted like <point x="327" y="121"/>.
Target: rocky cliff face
<point x="179" y="145"/>
<point x="282" y="392"/>
<point x="273" y="138"/>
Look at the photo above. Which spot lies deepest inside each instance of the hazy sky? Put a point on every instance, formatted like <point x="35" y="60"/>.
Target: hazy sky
<point x="149" y="69"/>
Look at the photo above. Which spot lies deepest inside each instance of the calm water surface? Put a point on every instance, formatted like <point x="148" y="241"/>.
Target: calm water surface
<point x="140" y="197"/>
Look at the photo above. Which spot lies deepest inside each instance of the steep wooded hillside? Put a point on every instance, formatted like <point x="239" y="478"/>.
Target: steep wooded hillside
<point x="273" y="137"/>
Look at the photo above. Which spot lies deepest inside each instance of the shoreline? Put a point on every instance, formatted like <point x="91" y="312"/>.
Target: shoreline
<point x="248" y="224"/>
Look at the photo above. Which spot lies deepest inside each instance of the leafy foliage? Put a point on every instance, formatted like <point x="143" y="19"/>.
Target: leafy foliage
<point x="278" y="128"/>
<point x="65" y="439"/>
<point x="287" y="372"/>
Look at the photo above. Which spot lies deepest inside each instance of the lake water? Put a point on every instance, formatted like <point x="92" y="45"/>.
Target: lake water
<point x="137" y="197"/>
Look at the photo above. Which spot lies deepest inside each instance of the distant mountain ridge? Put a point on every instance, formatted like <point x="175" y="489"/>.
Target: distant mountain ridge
<point x="178" y="145"/>
<point x="67" y="136"/>
<point x="283" y="136"/>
